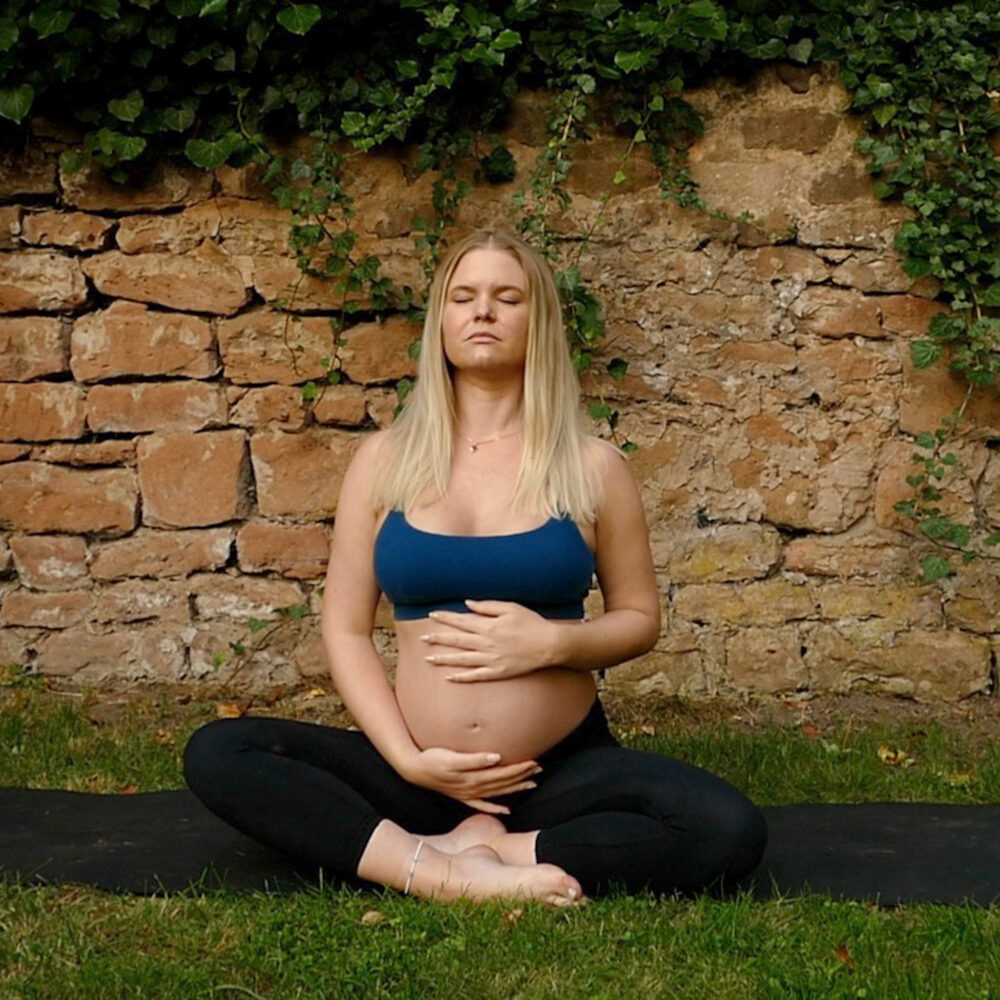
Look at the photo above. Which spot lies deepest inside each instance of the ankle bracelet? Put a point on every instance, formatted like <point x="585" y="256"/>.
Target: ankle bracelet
<point x="413" y="865"/>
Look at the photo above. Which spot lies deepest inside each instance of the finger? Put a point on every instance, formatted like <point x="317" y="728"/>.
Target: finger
<point x="489" y="765"/>
<point x="489" y="807"/>
<point x="475" y="674"/>
<point x="490" y="607"/>
<point x="466" y="621"/>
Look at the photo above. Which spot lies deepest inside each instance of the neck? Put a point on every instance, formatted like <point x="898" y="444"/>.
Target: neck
<point x="487" y="408"/>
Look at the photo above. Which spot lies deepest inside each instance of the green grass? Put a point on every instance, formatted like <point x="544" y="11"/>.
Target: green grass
<point x="72" y="942"/>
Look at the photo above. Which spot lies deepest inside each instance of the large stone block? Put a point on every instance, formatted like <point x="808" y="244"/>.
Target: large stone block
<point x="766" y="660"/>
<point x="50" y="562"/>
<point x="299" y="475"/>
<point x="716" y="554"/>
<point x="767" y="602"/>
<point x="57" y="610"/>
<point x="72" y="230"/>
<point x="129" y="339"/>
<point x="837" y="312"/>
<point x="40" y="281"/>
<point x="111" y="452"/>
<point x="897" y="603"/>
<point x="805" y="129"/>
<point x="218" y="595"/>
<point x="167" y="185"/>
<point x="927" y="664"/>
<point x="41" y="411"/>
<point x="268" y="346"/>
<point x="870" y="554"/>
<point x="278" y="406"/>
<point x="379" y="352"/>
<point x="139" y="653"/>
<point x="197" y="281"/>
<point x="162" y="553"/>
<point x="32" y="347"/>
<point x="156" y="406"/>
<point x="297" y="551"/>
<point x="36" y="497"/>
<point x="190" y="480"/>
<point x="177" y="233"/>
<point x="933" y="393"/>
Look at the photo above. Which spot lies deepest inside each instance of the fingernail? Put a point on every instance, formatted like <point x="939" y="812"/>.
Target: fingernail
<point x="425" y="637"/>
<point x="572" y="893"/>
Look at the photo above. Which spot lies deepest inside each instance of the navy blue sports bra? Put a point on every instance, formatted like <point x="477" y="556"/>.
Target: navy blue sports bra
<point x="548" y="569"/>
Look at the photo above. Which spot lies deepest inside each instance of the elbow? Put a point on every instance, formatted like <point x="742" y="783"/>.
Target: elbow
<point x="652" y="633"/>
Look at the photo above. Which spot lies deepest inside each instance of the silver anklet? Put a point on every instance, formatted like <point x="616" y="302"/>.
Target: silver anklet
<point x="413" y="865"/>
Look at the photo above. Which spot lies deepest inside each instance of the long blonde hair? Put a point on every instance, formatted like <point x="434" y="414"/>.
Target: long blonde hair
<point x="554" y="476"/>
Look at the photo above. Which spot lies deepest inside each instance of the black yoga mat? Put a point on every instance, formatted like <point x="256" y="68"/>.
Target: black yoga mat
<point x="156" y="842"/>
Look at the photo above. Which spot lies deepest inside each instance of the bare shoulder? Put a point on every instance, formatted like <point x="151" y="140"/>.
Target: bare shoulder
<point x="601" y="451"/>
<point x="619" y="491"/>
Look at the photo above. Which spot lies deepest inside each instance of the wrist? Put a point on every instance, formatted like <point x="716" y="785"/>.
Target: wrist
<point x="559" y="646"/>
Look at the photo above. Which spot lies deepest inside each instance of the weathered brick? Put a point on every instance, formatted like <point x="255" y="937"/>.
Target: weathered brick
<point x="88" y="656"/>
<point x="873" y="272"/>
<point x="10" y="227"/>
<point x="178" y="233"/>
<point x="805" y="129"/>
<point x="156" y="406"/>
<point x="162" y="553"/>
<point x="113" y="452"/>
<point x="40" y="281"/>
<point x="268" y="346"/>
<point x="767" y="602"/>
<point x="837" y="312"/>
<point x="970" y="599"/>
<point x="896" y="603"/>
<point x="129" y="339"/>
<point x="190" y="480"/>
<point x="141" y="600"/>
<point x="73" y="230"/>
<point x="341" y="404"/>
<point x="196" y="281"/>
<point x="834" y="187"/>
<point x="27" y="170"/>
<point x="299" y="475"/>
<point x="50" y="562"/>
<point x="166" y="185"/>
<point x="217" y="595"/>
<point x="933" y="393"/>
<point x="297" y="551"/>
<point x="37" y="497"/>
<point x="41" y="411"/>
<point x="922" y="663"/>
<point x="674" y="667"/>
<point x="869" y="555"/>
<point x="766" y="660"/>
<point x="716" y="554"/>
<point x="379" y="352"/>
<point x="57" y="610"/>
<point x="908" y="315"/>
<point x="278" y="406"/>
<point x="31" y="347"/>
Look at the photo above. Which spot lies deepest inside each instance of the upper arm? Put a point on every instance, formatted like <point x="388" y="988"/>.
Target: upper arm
<point x="350" y="591"/>
<point x="624" y="560"/>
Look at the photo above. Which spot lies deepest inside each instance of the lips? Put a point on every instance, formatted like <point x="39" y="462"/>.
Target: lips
<point x="482" y="335"/>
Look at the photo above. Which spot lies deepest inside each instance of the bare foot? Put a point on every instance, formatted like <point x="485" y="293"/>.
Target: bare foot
<point x="477" y="829"/>
<point x="477" y="873"/>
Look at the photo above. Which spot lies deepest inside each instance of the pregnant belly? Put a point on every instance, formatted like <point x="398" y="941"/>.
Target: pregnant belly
<point x="518" y="718"/>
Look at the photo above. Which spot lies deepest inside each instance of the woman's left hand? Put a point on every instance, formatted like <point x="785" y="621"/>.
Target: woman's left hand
<point x="500" y="639"/>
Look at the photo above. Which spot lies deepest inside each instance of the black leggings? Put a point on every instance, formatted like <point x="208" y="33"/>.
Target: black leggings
<point x="607" y="815"/>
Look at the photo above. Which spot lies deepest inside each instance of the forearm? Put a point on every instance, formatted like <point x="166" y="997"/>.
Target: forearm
<point x="360" y="679"/>
<point x="613" y="638"/>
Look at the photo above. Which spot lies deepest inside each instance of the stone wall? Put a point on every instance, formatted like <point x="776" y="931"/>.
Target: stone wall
<point x="161" y="480"/>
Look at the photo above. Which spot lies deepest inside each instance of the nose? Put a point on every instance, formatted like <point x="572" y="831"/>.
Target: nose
<point x="484" y="307"/>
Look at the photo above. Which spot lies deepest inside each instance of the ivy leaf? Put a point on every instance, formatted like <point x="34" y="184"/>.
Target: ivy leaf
<point x="352" y="122"/>
<point x="991" y="297"/>
<point x="299" y="17"/>
<point x="212" y="7"/>
<point x="211" y="154"/>
<point x="15" y="102"/>
<point x="127" y="108"/>
<point x="128" y="147"/>
<point x="801" y="51"/>
<point x="507" y="39"/>
<point x="70" y="161"/>
<point x="9" y="33"/>
<point x="598" y="411"/>
<point x="50" y="20"/>
<point x="631" y="61"/>
<point x="178" y="119"/>
<point x="924" y="353"/>
<point x="935" y="568"/>
<point x="884" y="113"/>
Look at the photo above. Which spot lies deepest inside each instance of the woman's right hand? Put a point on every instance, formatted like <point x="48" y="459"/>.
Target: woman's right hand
<point x="469" y="777"/>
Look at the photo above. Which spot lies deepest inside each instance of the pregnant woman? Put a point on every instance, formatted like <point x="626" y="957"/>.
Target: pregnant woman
<point x="482" y="515"/>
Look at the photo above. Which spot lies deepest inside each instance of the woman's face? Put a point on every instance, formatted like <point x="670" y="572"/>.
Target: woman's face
<point x="486" y="313"/>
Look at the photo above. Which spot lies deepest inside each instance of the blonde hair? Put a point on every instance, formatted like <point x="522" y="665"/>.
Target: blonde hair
<point x="554" y="476"/>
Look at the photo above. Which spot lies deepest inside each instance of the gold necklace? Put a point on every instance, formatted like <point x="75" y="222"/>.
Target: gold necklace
<point x="473" y="445"/>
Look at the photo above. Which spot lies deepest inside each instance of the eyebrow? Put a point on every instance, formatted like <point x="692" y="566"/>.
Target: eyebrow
<point x="498" y="288"/>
